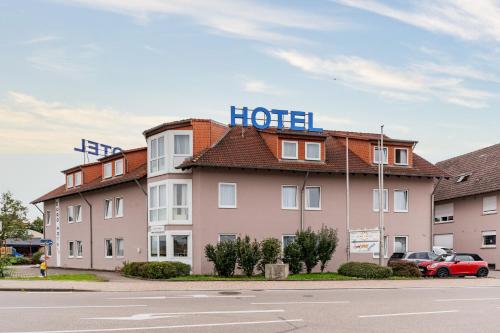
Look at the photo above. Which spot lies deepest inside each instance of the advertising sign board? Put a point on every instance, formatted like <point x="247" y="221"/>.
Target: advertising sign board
<point x="364" y="241"/>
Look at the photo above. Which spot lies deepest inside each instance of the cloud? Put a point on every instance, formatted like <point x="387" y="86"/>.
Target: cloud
<point x="237" y="18"/>
<point x="261" y="87"/>
<point x="41" y="40"/>
<point x="466" y="19"/>
<point x="31" y="125"/>
<point x="406" y="84"/>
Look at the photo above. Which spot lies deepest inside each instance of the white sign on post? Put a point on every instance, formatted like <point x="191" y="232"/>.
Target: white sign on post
<point x="58" y="234"/>
<point x="364" y="241"/>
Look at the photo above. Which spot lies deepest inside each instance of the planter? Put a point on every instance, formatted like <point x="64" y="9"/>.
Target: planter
<point x="276" y="271"/>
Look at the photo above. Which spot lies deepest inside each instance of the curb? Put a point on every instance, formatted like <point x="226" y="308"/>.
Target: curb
<point x="46" y="289"/>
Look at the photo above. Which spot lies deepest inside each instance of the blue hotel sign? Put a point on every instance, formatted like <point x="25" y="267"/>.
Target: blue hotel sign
<point x="261" y="118"/>
<point x="96" y="148"/>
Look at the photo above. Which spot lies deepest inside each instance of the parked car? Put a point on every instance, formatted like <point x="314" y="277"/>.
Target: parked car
<point x="416" y="257"/>
<point x="439" y="250"/>
<point x="457" y="264"/>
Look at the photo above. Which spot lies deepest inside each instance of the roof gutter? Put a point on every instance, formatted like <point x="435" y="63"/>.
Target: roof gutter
<point x="91" y="231"/>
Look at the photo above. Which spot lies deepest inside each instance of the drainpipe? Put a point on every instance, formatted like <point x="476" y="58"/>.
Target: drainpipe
<point x="432" y="212"/>
<point x="302" y="201"/>
<point x="91" y="231"/>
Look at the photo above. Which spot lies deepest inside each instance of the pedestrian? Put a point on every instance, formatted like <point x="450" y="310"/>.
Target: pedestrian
<point x="43" y="267"/>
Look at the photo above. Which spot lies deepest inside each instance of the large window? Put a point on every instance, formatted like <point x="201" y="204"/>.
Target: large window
<point x="401" y="156"/>
<point x="71" y="249"/>
<point x="108" y="248"/>
<point x="118" y="207"/>
<point x="158" y="203"/>
<point x="401" y="244"/>
<point x="79" y="249"/>
<point x="376" y="200"/>
<point x="401" y="201"/>
<point x="108" y="208"/>
<point x="313" y="151"/>
<point x="119" y="167"/>
<point x="313" y="197"/>
<point x="443" y="213"/>
<point x="490" y="205"/>
<point x="289" y="197"/>
<point x="120" y="247"/>
<point x="180" y="245"/>
<point x="48" y="218"/>
<point x="78" y="178"/>
<point x="376" y="155"/>
<point x="180" y="208"/>
<point x="71" y="214"/>
<point x="489" y="239"/>
<point x="156" y="154"/>
<point x="289" y="150"/>
<point x="108" y="170"/>
<point x="227" y="195"/>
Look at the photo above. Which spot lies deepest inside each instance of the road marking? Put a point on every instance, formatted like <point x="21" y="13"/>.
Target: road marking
<point x="467" y="299"/>
<point x="182" y="297"/>
<point x="150" y="316"/>
<point x="312" y="302"/>
<point x="168" y="327"/>
<point x="70" y="307"/>
<point x="407" y="314"/>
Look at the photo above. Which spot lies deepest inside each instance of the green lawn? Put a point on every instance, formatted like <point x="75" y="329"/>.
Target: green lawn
<point x="293" y="277"/>
<point x="62" y="277"/>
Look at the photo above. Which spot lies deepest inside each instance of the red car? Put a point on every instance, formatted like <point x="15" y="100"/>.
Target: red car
<point x="457" y="264"/>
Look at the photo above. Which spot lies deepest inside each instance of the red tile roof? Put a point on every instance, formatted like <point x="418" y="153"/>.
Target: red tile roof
<point x="483" y="165"/>
<point x="245" y="148"/>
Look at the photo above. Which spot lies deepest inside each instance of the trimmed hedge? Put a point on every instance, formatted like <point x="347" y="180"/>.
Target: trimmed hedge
<point x="156" y="270"/>
<point x="405" y="269"/>
<point x="365" y="270"/>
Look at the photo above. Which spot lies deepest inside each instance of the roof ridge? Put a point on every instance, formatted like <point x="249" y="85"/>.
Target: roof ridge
<point x="469" y="153"/>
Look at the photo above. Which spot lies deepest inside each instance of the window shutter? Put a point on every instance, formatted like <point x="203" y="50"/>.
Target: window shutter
<point x="490" y="204"/>
<point x="444" y="210"/>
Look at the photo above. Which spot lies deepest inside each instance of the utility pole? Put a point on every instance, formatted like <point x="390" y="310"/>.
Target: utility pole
<point x="381" y="196"/>
<point x="347" y="201"/>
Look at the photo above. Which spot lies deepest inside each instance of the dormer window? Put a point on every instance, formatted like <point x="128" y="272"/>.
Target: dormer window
<point x="119" y="167"/>
<point x="78" y="178"/>
<point x="313" y="151"/>
<point x="463" y="177"/>
<point x="108" y="170"/>
<point x="376" y="155"/>
<point x="401" y="156"/>
<point x="289" y="150"/>
<point x="69" y="181"/>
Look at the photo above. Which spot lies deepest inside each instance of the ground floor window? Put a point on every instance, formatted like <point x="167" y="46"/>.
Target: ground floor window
<point x="227" y="237"/>
<point x="71" y="249"/>
<point x="489" y="238"/>
<point x="174" y="245"/>
<point x="108" y="248"/>
<point x="401" y="244"/>
<point x="157" y="246"/>
<point x="79" y="249"/>
<point x="180" y="245"/>
<point x="287" y="239"/>
<point x="120" y="248"/>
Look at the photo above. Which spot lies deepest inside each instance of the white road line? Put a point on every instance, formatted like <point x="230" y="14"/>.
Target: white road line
<point x="70" y="307"/>
<point x="167" y="327"/>
<point x="467" y="299"/>
<point x="312" y="302"/>
<point x="407" y="314"/>
<point x="150" y="316"/>
<point x="183" y="297"/>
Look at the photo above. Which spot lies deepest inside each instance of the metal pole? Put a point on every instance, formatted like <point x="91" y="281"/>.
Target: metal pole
<point x="347" y="201"/>
<point x="381" y="158"/>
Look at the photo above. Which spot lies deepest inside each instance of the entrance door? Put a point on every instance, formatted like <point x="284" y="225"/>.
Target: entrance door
<point x="444" y="240"/>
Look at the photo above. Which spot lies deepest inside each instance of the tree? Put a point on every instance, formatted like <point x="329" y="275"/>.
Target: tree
<point x="13" y="218"/>
<point x="271" y="248"/>
<point x="224" y="256"/>
<point x="292" y="257"/>
<point x="308" y="242"/>
<point x="327" y="243"/>
<point x="248" y="254"/>
<point x="37" y="225"/>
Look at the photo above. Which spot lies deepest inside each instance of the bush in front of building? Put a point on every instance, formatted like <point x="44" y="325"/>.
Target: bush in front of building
<point x="271" y="250"/>
<point x="292" y="256"/>
<point x="327" y="243"/>
<point x="308" y="242"/>
<point x="156" y="270"/>
<point x="405" y="269"/>
<point x="365" y="270"/>
<point x="20" y="260"/>
<point x="224" y="256"/>
<point x="248" y="254"/>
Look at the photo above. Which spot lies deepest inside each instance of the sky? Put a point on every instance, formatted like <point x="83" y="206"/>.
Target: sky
<point x="106" y="70"/>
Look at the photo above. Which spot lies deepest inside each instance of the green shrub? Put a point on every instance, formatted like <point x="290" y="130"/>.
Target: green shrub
<point x="271" y="250"/>
<point x="308" y="242"/>
<point x="405" y="269"/>
<point x="19" y="260"/>
<point x="327" y="243"/>
<point x="36" y="257"/>
<point x="291" y="256"/>
<point x="248" y="253"/>
<point x="156" y="270"/>
<point x="365" y="270"/>
<point x="224" y="256"/>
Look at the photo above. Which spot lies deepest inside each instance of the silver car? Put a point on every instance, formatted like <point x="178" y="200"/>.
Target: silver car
<point x="416" y="257"/>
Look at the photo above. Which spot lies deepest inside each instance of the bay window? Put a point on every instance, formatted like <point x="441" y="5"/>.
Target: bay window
<point x="156" y="149"/>
<point x="180" y="243"/>
<point x="158" y="203"/>
<point x="180" y="210"/>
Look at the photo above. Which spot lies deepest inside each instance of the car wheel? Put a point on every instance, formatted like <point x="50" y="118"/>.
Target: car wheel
<point x="482" y="272"/>
<point x="442" y="272"/>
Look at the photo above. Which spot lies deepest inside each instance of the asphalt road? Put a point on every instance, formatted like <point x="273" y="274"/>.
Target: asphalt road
<point x="353" y="310"/>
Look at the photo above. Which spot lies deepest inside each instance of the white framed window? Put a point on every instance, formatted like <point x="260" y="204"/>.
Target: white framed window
<point x="179" y="246"/>
<point x="48" y="218"/>
<point x="313" y="151"/>
<point x="289" y="197"/>
<point x="181" y="147"/>
<point x="400" y="244"/>
<point x="71" y="249"/>
<point x="227" y="195"/>
<point x="401" y="156"/>
<point x="107" y="170"/>
<point x="386" y="246"/>
<point x="108" y="248"/>
<point x="79" y="249"/>
<point x="157" y="246"/>
<point x="156" y="154"/>
<point x="489" y="239"/>
<point x="401" y="201"/>
<point x="286" y="240"/>
<point x="376" y="201"/>
<point x="78" y="178"/>
<point x="71" y="214"/>
<point x="313" y="198"/>
<point x="78" y="213"/>
<point x="444" y="213"/>
<point x="120" y="247"/>
<point x="118" y="207"/>
<point x="490" y="205"/>
<point x="108" y="208"/>
<point x="376" y="155"/>
<point x="69" y="181"/>
<point x="158" y="202"/>
<point x="226" y="237"/>
<point x="289" y="150"/>
<point x="180" y="203"/>
<point x="119" y="167"/>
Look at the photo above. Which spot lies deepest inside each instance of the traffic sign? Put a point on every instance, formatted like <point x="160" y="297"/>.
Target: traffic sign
<point x="46" y="241"/>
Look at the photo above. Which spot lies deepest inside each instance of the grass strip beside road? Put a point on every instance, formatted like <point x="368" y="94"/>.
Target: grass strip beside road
<point x="62" y="277"/>
<point x="292" y="277"/>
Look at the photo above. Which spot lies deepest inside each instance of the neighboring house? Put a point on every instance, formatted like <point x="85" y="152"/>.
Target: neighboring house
<point x="28" y="246"/>
<point x="466" y="204"/>
<point x="98" y="218"/>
